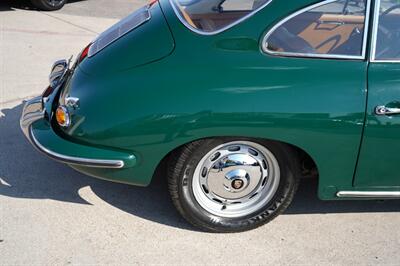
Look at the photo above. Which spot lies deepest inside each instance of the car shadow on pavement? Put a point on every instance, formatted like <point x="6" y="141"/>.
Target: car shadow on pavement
<point x="27" y="174"/>
<point x="11" y="5"/>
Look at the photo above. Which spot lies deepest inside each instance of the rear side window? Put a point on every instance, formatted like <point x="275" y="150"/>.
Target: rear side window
<point x="387" y="31"/>
<point x="213" y="16"/>
<point x="333" y="28"/>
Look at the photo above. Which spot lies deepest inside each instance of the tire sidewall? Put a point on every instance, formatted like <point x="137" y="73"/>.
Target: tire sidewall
<point x="191" y="207"/>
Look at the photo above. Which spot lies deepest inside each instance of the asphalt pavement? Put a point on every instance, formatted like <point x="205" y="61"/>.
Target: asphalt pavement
<point x="52" y="215"/>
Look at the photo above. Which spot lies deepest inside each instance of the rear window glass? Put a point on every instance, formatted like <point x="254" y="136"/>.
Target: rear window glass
<point x="212" y="16"/>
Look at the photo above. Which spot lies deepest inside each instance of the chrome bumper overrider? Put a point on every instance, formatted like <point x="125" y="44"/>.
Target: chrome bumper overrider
<point x="33" y="112"/>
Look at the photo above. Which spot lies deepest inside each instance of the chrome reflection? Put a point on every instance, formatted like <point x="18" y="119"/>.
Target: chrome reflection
<point x="236" y="179"/>
<point x="231" y="170"/>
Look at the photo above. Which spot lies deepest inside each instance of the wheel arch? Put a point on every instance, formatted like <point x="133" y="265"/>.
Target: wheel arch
<point x="307" y="164"/>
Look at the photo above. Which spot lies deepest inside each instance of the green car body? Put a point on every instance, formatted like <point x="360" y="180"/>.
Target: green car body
<point x="163" y="85"/>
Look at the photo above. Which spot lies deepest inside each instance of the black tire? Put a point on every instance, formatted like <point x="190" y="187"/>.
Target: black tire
<point x="49" y="5"/>
<point x="181" y="170"/>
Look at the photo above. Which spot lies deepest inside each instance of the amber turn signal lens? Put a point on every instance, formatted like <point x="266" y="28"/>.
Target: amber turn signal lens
<point x="62" y="116"/>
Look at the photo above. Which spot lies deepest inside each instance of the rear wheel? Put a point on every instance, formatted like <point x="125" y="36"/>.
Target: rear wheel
<point x="49" y="5"/>
<point x="232" y="185"/>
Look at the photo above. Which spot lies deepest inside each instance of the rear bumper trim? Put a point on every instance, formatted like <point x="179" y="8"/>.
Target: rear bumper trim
<point x="33" y="111"/>
<point x="75" y="160"/>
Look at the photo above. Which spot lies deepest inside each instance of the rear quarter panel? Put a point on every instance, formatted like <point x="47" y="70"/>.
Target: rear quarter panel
<point x="223" y="85"/>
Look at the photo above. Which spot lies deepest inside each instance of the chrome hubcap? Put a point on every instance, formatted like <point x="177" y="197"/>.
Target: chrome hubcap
<point x="236" y="179"/>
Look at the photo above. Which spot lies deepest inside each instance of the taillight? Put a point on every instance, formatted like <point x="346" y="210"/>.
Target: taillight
<point x="152" y="2"/>
<point x="47" y="92"/>
<point x="84" y="53"/>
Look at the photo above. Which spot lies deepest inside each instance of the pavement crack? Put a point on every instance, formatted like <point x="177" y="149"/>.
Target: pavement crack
<point x="70" y="23"/>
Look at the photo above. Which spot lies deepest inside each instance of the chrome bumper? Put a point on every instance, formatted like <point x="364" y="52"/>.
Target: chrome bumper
<point x="33" y="111"/>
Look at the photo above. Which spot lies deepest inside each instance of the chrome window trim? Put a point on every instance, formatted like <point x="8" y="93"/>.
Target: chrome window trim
<point x="187" y="25"/>
<point x="369" y="194"/>
<point x="374" y="40"/>
<point x="264" y="43"/>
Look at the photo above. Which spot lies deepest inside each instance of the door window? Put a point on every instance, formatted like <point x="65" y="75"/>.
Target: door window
<point x="387" y="31"/>
<point x="327" y="29"/>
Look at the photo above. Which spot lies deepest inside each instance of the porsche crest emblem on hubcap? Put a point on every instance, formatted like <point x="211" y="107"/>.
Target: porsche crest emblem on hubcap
<point x="237" y="183"/>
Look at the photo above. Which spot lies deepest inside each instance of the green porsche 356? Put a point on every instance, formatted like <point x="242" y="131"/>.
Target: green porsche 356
<point x="238" y="99"/>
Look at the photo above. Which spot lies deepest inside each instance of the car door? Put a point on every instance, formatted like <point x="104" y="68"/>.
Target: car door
<point x="379" y="160"/>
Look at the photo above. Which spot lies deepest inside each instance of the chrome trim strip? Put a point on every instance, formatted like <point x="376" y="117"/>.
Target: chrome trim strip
<point x="184" y="22"/>
<point x="375" y="30"/>
<point x="366" y="29"/>
<point x="75" y="160"/>
<point x="369" y="194"/>
<point x="264" y="43"/>
<point x="385" y="61"/>
<point x="374" y="40"/>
